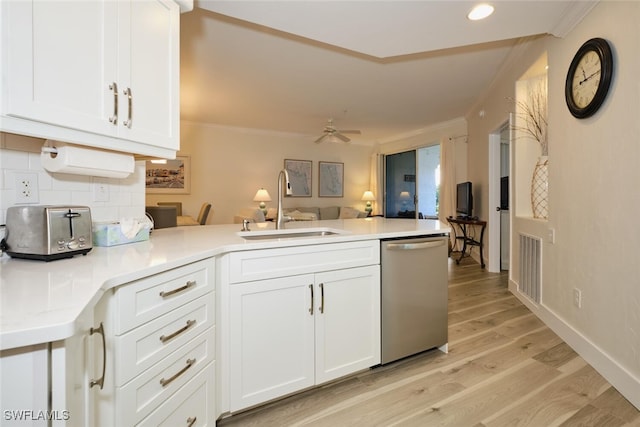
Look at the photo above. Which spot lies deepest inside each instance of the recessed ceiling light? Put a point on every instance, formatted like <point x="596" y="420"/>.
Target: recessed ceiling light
<point x="480" y="11"/>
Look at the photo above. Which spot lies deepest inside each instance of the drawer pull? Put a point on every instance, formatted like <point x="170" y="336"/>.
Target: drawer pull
<point x="190" y="363"/>
<point x="191" y="421"/>
<point x="189" y="284"/>
<point x="165" y="338"/>
<point x="100" y="381"/>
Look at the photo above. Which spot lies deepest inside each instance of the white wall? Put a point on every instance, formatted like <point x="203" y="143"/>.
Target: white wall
<point x="228" y="166"/>
<point x="20" y="154"/>
<point x="593" y="178"/>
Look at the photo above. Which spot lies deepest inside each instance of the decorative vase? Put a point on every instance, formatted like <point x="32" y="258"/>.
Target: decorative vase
<point x="540" y="189"/>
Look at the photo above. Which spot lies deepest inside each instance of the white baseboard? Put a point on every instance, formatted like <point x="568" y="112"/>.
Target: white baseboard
<point x="626" y="383"/>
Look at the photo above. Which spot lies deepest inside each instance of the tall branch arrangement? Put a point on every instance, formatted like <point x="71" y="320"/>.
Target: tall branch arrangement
<point x="533" y="113"/>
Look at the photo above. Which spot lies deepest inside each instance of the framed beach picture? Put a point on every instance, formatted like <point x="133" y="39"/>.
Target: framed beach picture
<point x="299" y="176"/>
<point x="168" y="176"/>
<point x="330" y="179"/>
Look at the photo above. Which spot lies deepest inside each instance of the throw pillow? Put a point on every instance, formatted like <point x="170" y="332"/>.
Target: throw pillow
<point x="348" y="213"/>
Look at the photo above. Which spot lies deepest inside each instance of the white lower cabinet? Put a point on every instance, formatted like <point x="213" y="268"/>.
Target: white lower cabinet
<point x="271" y="339"/>
<point x="159" y="351"/>
<point x="24" y="385"/>
<point x="290" y="333"/>
<point x="347" y="335"/>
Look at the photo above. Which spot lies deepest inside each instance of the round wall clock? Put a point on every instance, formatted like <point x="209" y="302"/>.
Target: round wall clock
<point x="588" y="78"/>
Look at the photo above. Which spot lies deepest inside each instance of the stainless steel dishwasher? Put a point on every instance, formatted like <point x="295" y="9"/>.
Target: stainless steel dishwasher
<point x="414" y="295"/>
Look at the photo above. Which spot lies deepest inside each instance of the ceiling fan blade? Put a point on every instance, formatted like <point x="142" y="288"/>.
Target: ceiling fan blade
<point x="319" y="140"/>
<point x="353" y="131"/>
<point x="342" y="137"/>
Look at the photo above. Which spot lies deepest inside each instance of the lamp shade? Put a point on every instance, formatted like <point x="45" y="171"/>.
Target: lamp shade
<point x="262" y="195"/>
<point x="368" y="196"/>
<point x="404" y="195"/>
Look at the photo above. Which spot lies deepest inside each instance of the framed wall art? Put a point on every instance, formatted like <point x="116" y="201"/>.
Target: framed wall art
<point x="299" y="176"/>
<point x="168" y="176"/>
<point x="330" y="179"/>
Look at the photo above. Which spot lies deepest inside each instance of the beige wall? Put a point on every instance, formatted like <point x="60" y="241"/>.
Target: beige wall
<point x="229" y="165"/>
<point x="593" y="178"/>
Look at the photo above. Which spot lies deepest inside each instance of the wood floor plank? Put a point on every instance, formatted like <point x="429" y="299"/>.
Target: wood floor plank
<point x="555" y="403"/>
<point x="476" y="403"/>
<point x="473" y="326"/>
<point x="483" y="310"/>
<point x="556" y="356"/>
<point x="504" y="368"/>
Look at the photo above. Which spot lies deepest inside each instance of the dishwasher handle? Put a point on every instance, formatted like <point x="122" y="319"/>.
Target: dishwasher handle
<point x="415" y="246"/>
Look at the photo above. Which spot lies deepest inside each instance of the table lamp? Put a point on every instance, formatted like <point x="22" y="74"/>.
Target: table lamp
<point x="404" y="196"/>
<point x="368" y="197"/>
<point x="262" y="196"/>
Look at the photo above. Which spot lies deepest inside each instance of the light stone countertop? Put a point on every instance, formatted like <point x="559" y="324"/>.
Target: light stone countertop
<point x="41" y="301"/>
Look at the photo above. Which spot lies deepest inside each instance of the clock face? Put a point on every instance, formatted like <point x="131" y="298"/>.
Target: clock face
<point x="586" y="79"/>
<point x="589" y="78"/>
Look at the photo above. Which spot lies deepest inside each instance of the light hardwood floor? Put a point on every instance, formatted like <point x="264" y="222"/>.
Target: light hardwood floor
<point x="504" y="368"/>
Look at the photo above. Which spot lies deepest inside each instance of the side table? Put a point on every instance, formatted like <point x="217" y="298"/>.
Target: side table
<point x="465" y="225"/>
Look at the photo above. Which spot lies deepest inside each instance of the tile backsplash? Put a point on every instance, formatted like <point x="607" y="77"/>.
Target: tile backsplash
<point x="109" y="198"/>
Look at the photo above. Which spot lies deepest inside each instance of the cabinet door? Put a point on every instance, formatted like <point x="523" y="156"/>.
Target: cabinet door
<point x="72" y="362"/>
<point x="271" y="339"/>
<point x="149" y="67"/>
<point x="60" y="59"/>
<point x="25" y="384"/>
<point x="347" y="321"/>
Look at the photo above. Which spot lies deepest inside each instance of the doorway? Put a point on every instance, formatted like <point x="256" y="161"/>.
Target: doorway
<point x="412" y="183"/>
<point x="499" y="200"/>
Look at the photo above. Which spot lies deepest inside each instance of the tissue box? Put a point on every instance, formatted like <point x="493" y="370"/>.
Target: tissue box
<point x="110" y="234"/>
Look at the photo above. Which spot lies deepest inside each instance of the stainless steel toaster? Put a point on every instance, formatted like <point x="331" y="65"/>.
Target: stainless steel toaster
<point x="48" y="232"/>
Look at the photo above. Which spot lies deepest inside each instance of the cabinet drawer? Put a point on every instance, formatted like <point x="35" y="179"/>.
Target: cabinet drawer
<point x="139" y="349"/>
<point x="193" y="404"/>
<point x="280" y="262"/>
<point x="148" y="298"/>
<point x="151" y="389"/>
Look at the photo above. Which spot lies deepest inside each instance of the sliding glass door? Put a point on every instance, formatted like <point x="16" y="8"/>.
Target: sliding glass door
<point x="400" y="185"/>
<point x="412" y="183"/>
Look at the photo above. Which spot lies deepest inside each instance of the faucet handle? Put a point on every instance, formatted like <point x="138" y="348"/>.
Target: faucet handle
<point x="245" y="225"/>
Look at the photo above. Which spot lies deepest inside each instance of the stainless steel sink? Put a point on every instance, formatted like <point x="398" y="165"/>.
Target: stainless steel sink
<point x="288" y="234"/>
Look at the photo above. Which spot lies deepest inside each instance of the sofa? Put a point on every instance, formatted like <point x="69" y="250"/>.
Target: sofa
<point x="302" y="213"/>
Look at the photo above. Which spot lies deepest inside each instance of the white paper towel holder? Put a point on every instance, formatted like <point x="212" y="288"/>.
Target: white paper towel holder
<point x="59" y="157"/>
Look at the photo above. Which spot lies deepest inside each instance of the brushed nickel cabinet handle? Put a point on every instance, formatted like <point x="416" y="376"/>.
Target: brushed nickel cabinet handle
<point x="189" y="362"/>
<point x="321" y="298"/>
<point x="165" y="338"/>
<point x="191" y="421"/>
<point x="189" y="284"/>
<point x="311" y="306"/>
<point x="100" y="381"/>
<point x="129" y="120"/>
<point x="114" y="88"/>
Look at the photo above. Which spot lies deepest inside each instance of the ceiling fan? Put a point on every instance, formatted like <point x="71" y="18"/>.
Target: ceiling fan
<point x="331" y="133"/>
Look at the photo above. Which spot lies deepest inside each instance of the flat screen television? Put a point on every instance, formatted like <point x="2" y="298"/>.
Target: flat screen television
<point x="464" y="199"/>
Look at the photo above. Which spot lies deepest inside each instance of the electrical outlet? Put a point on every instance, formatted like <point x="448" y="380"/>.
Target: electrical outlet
<point x="552" y="235"/>
<point x="577" y="297"/>
<point x="100" y="190"/>
<point x="26" y="188"/>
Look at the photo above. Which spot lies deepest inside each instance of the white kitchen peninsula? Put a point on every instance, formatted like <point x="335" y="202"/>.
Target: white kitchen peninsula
<point x="56" y="304"/>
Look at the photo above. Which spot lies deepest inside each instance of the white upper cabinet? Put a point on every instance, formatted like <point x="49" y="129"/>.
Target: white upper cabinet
<point x="149" y="66"/>
<point x="96" y="73"/>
